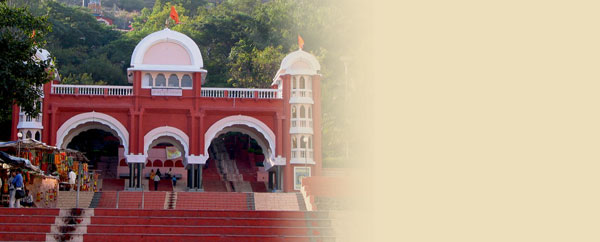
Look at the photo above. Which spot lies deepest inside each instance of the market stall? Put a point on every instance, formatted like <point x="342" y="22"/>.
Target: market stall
<point x="45" y="168"/>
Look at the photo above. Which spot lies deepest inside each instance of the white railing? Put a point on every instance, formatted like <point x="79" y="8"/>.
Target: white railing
<point x="92" y="90"/>
<point x="239" y="93"/>
<point x="301" y="93"/>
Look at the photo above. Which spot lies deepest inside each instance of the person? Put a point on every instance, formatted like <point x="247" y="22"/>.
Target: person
<point x="174" y="179"/>
<point x="169" y="173"/>
<point x="18" y="183"/>
<point x="28" y="200"/>
<point x="11" y="190"/>
<point x="158" y="172"/>
<point x="156" y="180"/>
<point x="72" y="178"/>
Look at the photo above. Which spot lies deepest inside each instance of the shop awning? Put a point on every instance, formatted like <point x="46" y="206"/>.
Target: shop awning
<point x="18" y="162"/>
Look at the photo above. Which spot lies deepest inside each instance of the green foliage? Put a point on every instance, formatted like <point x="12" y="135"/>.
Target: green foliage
<point x="80" y="79"/>
<point x="21" y="71"/>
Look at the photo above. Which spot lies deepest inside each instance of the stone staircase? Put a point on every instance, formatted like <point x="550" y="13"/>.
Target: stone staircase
<point x="68" y="199"/>
<point x="171" y="200"/>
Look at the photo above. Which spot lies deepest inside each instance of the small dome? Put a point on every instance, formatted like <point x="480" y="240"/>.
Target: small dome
<point x="167" y="50"/>
<point x="298" y="63"/>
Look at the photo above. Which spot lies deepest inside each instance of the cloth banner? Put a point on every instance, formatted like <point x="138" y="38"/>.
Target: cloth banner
<point x="172" y="152"/>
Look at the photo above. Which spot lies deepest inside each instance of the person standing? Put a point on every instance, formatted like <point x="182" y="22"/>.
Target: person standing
<point x="18" y="183"/>
<point x="156" y="180"/>
<point x="11" y="190"/>
<point x="174" y="179"/>
<point x="72" y="179"/>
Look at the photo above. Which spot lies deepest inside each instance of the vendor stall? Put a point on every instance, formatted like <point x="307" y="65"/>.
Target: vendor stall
<point x="44" y="167"/>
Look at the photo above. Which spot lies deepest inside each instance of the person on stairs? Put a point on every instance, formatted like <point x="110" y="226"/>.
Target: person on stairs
<point x="72" y="178"/>
<point x="18" y="184"/>
<point x="156" y="180"/>
<point x="11" y="190"/>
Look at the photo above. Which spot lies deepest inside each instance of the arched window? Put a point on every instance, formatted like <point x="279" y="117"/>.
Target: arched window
<point x="294" y="112"/>
<point x="28" y="135"/>
<point x="173" y="81"/>
<point x="302" y="142"/>
<point x="310" y="142"/>
<point x="37" y="136"/>
<point x="294" y="80"/>
<point x="147" y="81"/>
<point x="160" y="81"/>
<point x="309" y="112"/>
<point x="294" y="142"/>
<point x="186" y="81"/>
<point x="302" y="86"/>
<point x="302" y="112"/>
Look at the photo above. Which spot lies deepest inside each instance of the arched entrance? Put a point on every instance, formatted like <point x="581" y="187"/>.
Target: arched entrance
<point x="238" y="147"/>
<point x="101" y="138"/>
<point x="165" y="148"/>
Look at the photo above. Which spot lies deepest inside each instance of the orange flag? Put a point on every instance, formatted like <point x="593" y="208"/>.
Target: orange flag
<point x="174" y="14"/>
<point x="300" y="42"/>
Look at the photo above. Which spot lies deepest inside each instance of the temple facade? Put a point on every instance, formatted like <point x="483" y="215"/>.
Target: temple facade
<point x="167" y="103"/>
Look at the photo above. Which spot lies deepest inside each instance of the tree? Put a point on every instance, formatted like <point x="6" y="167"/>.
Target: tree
<point x="21" y="35"/>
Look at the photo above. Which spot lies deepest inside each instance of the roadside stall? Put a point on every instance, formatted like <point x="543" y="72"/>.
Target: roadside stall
<point x="45" y="169"/>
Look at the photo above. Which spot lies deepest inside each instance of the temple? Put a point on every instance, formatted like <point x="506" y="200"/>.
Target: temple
<point x="167" y="119"/>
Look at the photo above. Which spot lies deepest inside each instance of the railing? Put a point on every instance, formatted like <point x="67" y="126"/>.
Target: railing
<point x="301" y="93"/>
<point x="67" y="89"/>
<point x="239" y="93"/>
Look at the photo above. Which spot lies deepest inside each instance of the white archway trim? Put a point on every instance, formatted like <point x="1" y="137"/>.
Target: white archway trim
<point x="229" y="121"/>
<point x="167" y="35"/>
<point x="167" y="131"/>
<point x="88" y="117"/>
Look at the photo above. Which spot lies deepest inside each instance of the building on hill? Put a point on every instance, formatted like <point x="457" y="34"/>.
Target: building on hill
<point x="232" y="134"/>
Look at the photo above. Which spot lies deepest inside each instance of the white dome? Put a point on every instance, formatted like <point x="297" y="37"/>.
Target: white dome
<point x="298" y="63"/>
<point x="167" y="50"/>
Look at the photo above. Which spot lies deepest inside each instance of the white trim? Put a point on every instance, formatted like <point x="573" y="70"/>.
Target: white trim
<point x="89" y="117"/>
<point x="131" y="158"/>
<point x="167" y="35"/>
<point x="195" y="159"/>
<point x="251" y="122"/>
<point x="181" y="68"/>
<point x="169" y="132"/>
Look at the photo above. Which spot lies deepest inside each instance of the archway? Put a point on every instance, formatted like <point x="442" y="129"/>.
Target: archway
<point x="238" y="147"/>
<point x="166" y="149"/>
<point x="102" y="138"/>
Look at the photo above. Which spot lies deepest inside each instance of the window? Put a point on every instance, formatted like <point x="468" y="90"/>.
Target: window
<point x="147" y="81"/>
<point x="310" y="142"/>
<point x="302" y="86"/>
<point x="173" y="81"/>
<point x="28" y="135"/>
<point x="302" y="112"/>
<point x="37" y="136"/>
<point x="294" y="80"/>
<point x="302" y="142"/>
<point x="309" y="112"/>
<point x="294" y="112"/>
<point x="294" y="142"/>
<point x="160" y="81"/>
<point x="186" y="81"/>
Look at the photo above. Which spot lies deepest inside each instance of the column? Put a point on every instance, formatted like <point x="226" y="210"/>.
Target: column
<point x="130" y="184"/>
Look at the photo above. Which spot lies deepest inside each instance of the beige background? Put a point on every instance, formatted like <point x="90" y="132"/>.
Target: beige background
<point x="483" y="120"/>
